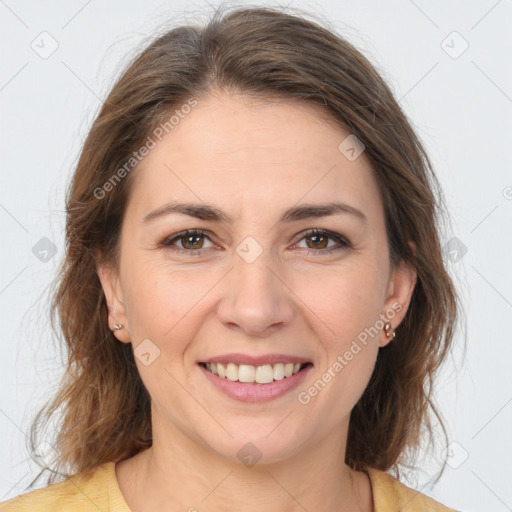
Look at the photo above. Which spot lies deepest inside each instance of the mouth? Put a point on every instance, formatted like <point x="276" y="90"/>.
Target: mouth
<point x="251" y="374"/>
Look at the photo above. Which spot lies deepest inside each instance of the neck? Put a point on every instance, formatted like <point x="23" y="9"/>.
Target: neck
<point x="178" y="473"/>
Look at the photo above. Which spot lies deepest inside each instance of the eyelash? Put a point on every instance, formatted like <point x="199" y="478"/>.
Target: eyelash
<point x="344" y="243"/>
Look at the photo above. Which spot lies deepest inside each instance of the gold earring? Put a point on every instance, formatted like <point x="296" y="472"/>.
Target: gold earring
<point x="390" y="332"/>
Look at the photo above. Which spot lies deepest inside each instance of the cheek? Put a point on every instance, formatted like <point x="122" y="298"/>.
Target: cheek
<point x="346" y="304"/>
<point x="151" y="306"/>
<point x="345" y="301"/>
<point x="349" y="377"/>
<point x="160" y="297"/>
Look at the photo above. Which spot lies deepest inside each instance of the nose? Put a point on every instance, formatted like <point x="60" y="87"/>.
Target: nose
<point x="256" y="299"/>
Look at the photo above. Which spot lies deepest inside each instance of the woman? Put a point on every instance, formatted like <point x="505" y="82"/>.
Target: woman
<point x="253" y="297"/>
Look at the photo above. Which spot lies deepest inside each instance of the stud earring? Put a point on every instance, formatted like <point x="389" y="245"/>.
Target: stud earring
<point x="390" y="332"/>
<point x="117" y="327"/>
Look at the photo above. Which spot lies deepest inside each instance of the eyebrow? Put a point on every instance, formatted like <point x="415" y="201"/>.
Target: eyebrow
<point x="211" y="213"/>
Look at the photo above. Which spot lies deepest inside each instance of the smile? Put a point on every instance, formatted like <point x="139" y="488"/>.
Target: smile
<point x="262" y="374"/>
<point x="251" y="383"/>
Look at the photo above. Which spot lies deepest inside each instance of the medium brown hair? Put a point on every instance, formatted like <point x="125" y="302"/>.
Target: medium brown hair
<point x="263" y="53"/>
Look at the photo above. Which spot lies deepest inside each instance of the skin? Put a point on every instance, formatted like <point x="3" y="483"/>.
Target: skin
<point x="252" y="159"/>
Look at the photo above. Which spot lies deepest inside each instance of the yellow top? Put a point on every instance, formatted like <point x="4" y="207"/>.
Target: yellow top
<point x="99" y="491"/>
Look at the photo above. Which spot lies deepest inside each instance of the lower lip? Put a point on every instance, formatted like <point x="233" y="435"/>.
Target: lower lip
<point x="253" y="392"/>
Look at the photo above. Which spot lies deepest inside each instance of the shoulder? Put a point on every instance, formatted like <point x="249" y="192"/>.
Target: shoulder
<point x="83" y="492"/>
<point x="389" y="495"/>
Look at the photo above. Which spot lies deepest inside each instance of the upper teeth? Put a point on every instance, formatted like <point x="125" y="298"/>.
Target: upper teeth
<point x="248" y="373"/>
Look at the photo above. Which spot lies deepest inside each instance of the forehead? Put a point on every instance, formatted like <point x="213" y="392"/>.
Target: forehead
<point x="243" y="153"/>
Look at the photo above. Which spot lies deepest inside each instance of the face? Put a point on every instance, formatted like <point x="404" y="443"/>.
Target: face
<point x="252" y="284"/>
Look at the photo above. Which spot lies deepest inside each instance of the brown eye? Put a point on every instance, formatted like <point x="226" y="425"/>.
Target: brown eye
<point x="318" y="240"/>
<point x="192" y="241"/>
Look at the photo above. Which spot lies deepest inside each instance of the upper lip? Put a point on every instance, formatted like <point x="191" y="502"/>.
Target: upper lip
<point x="239" y="359"/>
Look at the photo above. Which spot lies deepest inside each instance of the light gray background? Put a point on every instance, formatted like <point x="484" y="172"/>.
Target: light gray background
<point x="460" y="104"/>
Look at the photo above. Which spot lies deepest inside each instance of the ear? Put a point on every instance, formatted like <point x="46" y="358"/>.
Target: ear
<point x="398" y="296"/>
<point x="111" y="285"/>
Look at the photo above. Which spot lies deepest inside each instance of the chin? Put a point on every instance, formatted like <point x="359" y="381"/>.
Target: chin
<point x="268" y="442"/>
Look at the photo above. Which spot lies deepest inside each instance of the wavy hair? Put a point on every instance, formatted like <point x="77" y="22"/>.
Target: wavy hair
<point x="266" y="52"/>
